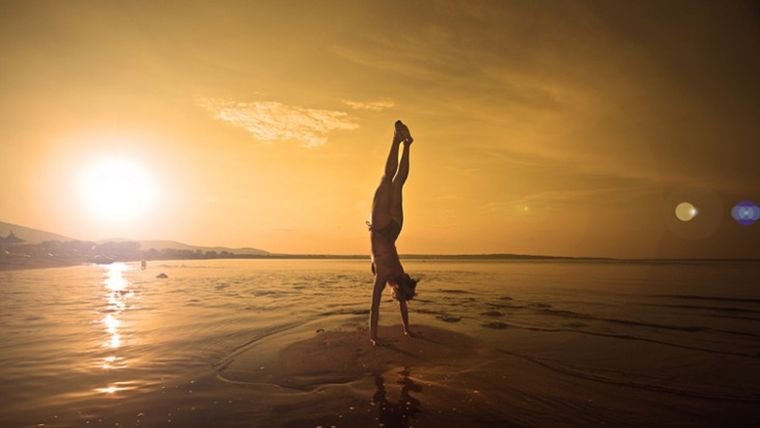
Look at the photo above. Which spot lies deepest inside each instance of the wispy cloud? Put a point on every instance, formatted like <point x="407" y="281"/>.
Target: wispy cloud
<point x="375" y="105"/>
<point x="561" y="199"/>
<point x="270" y="121"/>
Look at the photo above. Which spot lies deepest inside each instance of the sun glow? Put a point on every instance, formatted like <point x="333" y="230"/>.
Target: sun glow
<point x="117" y="189"/>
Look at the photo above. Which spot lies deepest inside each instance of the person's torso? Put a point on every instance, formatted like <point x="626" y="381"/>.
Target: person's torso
<point x="385" y="256"/>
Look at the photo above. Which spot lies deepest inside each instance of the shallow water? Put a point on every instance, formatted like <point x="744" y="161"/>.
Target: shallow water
<point x="560" y="343"/>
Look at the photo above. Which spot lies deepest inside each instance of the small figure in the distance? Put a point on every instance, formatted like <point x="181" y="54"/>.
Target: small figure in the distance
<point x="143" y="265"/>
<point x="387" y="220"/>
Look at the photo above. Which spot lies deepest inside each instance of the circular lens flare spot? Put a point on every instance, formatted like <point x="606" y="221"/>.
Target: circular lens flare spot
<point x="685" y="211"/>
<point x="746" y="213"/>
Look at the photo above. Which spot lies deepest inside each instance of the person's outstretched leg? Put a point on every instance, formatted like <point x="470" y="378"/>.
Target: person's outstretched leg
<point x="391" y="164"/>
<point x="381" y="203"/>
<point x="403" y="168"/>
<point x="397" y="187"/>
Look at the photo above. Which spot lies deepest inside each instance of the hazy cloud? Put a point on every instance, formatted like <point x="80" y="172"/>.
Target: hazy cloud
<point x="561" y="199"/>
<point x="270" y="121"/>
<point x="376" y="105"/>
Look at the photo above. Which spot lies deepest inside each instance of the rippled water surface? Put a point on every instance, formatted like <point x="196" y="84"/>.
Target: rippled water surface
<point x="116" y="346"/>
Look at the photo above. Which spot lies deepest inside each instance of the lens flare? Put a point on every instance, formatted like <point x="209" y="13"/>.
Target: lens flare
<point x="685" y="211"/>
<point x="746" y="213"/>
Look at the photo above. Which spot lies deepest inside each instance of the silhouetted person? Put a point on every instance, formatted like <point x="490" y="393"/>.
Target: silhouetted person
<point x="387" y="220"/>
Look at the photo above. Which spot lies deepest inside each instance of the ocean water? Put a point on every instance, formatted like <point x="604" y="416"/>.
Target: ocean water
<point x="539" y="343"/>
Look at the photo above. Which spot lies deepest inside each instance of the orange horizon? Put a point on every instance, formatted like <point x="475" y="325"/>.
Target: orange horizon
<point x="572" y="130"/>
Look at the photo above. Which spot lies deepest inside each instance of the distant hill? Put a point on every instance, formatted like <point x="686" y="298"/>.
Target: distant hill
<point x="29" y="235"/>
<point x="164" y="244"/>
<point x="36" y="236"/>
<point x="160" y="245"/>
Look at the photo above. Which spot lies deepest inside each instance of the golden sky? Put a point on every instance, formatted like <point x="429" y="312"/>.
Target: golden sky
<point x="563" y="128"/>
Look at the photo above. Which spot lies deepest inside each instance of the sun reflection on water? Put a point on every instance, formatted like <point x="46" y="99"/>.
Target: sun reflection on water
<point x="108" y="390"/>
<point x="114" y="279"/>
<point x="108" y="362"/>
<point x="113" y="388"/>
<point x="111" y="323"/>
<point x="118" y="293"/>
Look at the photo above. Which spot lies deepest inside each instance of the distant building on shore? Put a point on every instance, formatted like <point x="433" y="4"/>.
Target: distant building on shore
<point x="10" y="239"/>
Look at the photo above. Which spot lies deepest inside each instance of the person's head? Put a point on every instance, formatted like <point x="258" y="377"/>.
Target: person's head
<point x="405" y="287"/>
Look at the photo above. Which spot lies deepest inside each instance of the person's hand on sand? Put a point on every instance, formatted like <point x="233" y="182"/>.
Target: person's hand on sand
<point x="411" y="334"/>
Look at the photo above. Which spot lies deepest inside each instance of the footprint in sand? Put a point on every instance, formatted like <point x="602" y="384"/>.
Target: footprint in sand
<point x="492" y="313"/>
<point x="576" y="324"/>
<point x="504" y="306"/>
<point x="496" y="325"/>
<point x="540" y="305"/>
<point x="448" y="318"/>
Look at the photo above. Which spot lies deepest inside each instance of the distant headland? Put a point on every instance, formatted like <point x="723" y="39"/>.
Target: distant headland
<point x="23" y="247"/>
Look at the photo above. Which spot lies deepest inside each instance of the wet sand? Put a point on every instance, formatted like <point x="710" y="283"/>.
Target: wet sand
<point x="305" y="358"/>
<point x="467" y="382"/>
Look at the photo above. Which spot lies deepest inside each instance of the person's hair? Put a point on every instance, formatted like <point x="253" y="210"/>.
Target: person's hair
<point x="405" y="287"/>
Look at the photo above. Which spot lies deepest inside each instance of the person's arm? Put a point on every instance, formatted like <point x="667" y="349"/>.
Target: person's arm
<point x="374" y="312"/>
<point x="405" y="317"/>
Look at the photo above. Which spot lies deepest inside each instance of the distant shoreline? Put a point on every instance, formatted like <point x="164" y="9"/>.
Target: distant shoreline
<point x="10" y="264"/>
<point x="36" y="264"/>
<point x="494" y="256"/>
<point x="27" y="248"/>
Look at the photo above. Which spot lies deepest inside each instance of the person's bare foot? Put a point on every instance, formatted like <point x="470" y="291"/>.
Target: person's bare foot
<point x="402" y="133"/>
<point x="398" y="135"/>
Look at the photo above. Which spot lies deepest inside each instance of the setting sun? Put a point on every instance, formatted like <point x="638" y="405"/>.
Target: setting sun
<point x="117" y="189"/>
